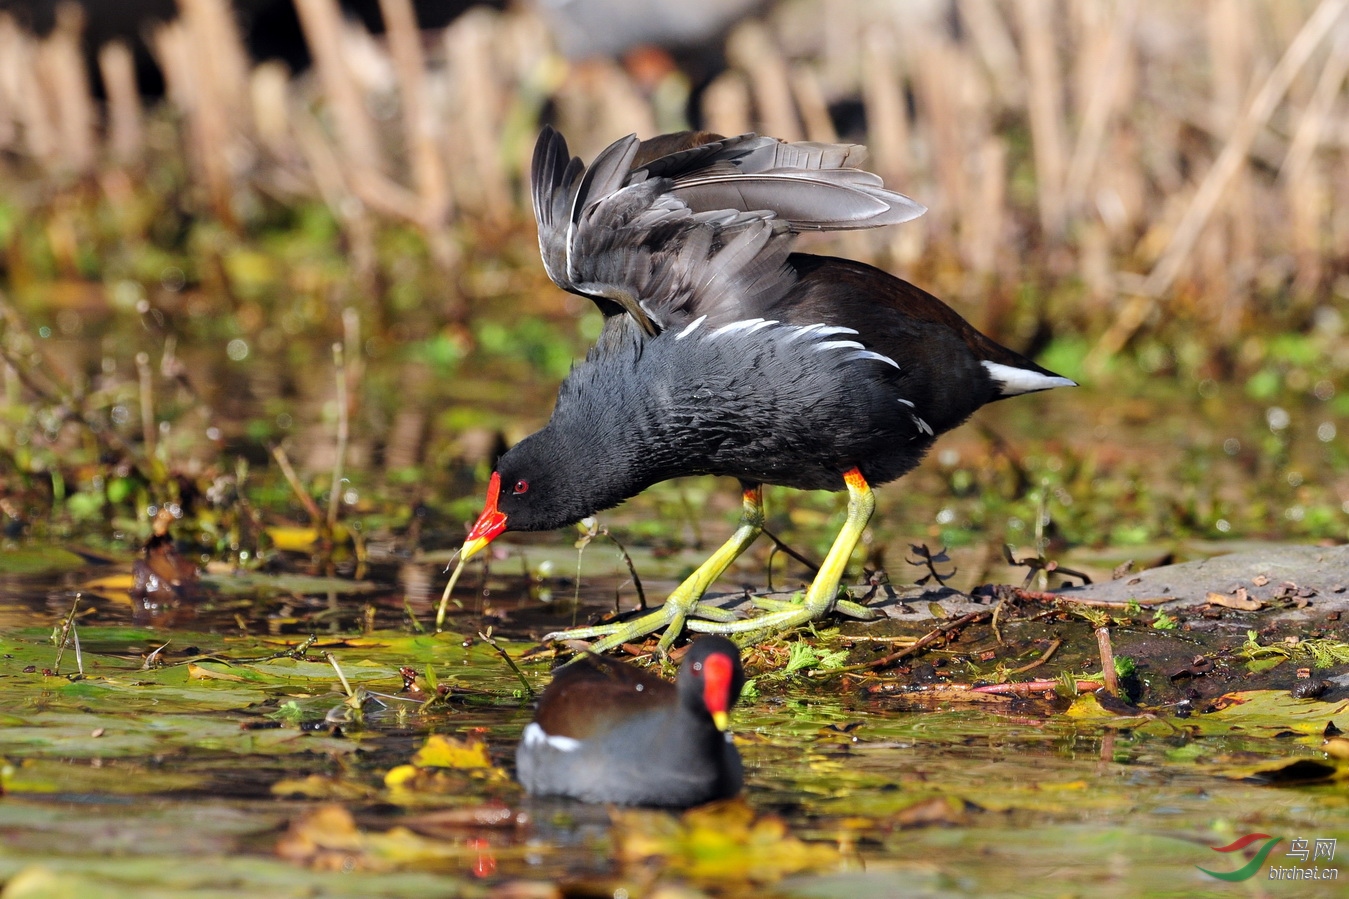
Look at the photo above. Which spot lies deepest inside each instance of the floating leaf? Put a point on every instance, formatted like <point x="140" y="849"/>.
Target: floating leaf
<point x="440" y="751"/>
<point x="30" y="560"/>
<point x="719" y="842"/>
<point x="204" y="672"/>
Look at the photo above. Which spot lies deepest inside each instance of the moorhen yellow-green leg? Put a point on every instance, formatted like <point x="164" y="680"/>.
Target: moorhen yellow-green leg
<point x="822" y="597"/>
<point x="684" y="605"/>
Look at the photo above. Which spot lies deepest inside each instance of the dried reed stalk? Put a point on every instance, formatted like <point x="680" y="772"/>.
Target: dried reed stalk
<point x="126" y="136"/>
<point x="355" y="133"/>
<point x="726" y="104"/>
<point x="1102" y="86"/>
<point x="478" y="112"/>
<point x="1185" y="236"/>
<point x="1233" y="155"/>
<point x="887" y="111"/>
<point x="208" y="134"/>
<point x="23" y="122"/>
<point x="60" y="68"/>
<point x="753" y="50"/>
<point x="809" y="94"/>
<point x="938" y="86"/>
<point x="1044" y="106"/>
<point x="993" y="43"/>
<point x="421" y="131"/>
<point x="1304" y="186"/>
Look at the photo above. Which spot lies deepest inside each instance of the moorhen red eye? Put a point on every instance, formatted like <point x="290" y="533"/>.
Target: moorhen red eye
<point x="724" y="353"/>
<point x="606" y="731"/>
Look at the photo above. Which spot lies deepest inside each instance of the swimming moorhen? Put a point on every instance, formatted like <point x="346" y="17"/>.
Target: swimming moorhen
<point x="606" y="731"/>
<point x="724" y="353"/>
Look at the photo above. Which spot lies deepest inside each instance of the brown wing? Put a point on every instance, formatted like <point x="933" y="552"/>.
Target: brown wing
<point x="590" y="695"/>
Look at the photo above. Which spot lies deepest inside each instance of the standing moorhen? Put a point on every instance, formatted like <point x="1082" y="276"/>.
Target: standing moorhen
<point x="724" y="353"/>
<point x="608" y="732"/>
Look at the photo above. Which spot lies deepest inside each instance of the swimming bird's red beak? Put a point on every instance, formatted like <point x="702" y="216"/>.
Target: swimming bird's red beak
<point x="490" y="523"/>
<point x="717" y="674"/>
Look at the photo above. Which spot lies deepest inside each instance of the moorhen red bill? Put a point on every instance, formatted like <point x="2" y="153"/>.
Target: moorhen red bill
<point x="724" y="353"/>
<point x="606" y="731"/>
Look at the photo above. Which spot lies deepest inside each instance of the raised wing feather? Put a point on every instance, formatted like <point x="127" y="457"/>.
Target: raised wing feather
<point x="686" y="225"/>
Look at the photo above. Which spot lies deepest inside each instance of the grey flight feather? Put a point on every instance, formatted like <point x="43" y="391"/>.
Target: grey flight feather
<point x="703" y="230"/>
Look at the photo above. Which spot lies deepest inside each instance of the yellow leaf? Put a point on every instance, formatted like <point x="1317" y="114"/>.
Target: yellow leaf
<point x="400" y="775"/>
<point x="320" y="786"/>
<point x="440" y="751"/>
<point x="113" y="586"/>
<point x="293" y="539"/>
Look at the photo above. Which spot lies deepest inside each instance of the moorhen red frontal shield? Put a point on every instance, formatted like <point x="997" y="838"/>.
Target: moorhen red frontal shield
<point x="725" y="353"/>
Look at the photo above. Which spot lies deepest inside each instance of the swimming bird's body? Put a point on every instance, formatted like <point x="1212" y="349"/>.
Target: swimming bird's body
<point x="605" y="731"/>
<point x="725" y="353"/>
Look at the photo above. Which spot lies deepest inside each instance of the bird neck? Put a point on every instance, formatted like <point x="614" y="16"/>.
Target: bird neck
<point x="604" y="438"/>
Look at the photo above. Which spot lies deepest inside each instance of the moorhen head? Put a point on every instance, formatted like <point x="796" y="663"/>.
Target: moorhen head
<point x="724" y="353"/>
<point x="606" y="731"/>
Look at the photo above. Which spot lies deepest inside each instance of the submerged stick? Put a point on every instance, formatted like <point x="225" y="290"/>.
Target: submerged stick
<point x="510" y="663"/>
<point x="1107" y="660"/>
<point x="445" y="597"/>
<point x="343" y="436"/>
<point x="288" y="471"/>
<point x="63" y="635"/>
<point x="332" y="660"/>
<point x="147" y="396"/>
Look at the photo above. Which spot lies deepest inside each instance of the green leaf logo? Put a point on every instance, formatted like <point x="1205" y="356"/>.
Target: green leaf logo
<point x="1247" y="871"/>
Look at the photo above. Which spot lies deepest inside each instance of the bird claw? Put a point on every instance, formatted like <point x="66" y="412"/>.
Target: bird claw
<point x="672" y="616"/>
<point x="707" y="618"/>
<point x="856" y="610"/>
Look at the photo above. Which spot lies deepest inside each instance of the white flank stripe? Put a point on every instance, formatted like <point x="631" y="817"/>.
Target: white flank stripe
<point x="689" y="330"/>
<point x="819" y="330"/>
<point x="535" y="735"/>
<point x="839" y="345"/>
<point x="750" y="323"/>
<point x="868" y="354"/>
<point x="1012" y="380"/>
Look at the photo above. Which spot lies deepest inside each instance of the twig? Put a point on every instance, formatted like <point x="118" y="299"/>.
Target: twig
<point x="1038" y="564"/>
<point x="62" y="636"/>
<point x="632" y="569"/>
<point x="1053" y="648"/>
<point x="148" y="427"/>
<point x="445" y="595"/>
<point x="1026" y="688"/>
<point x="510" y="663"/>
<point x="1097" y="603"/>
<point x="784" y="548"/>
<point x="926" y="559"/>
<point x="412" y="616"/>
<point x="1107" y="659"/>
<point x="283" y="461"/>
<point x="942" y="633"/>
<point x="343" y="436"/>
<point x="997" y="615"/>
<point x="332" y="660"/>
<point x="153" y="658"/>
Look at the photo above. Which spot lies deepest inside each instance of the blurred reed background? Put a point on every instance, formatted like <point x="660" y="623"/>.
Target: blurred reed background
<point x="1158" y="160"/>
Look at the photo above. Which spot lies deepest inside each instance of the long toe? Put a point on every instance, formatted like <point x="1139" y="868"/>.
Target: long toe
<point x="669" y="616"/>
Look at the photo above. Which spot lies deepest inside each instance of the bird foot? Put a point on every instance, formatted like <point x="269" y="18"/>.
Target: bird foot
<point x="785" y="614"/>
<point x="708" y="618"/>
<point x="671" y="616"/>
